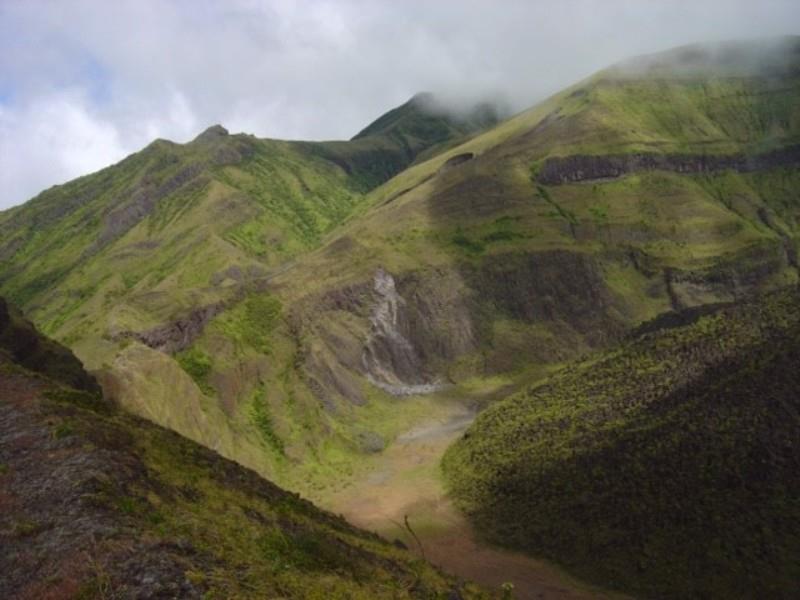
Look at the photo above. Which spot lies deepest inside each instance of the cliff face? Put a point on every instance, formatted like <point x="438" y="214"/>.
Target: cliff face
<point x="390" y="359"/>
<point x="417" y="326"/>
<point x="579" y="168"/>
<point x="413" y="332"/>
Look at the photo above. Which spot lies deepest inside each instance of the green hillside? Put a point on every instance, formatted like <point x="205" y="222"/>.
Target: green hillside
<point x="100" y="504"/>
<point x="667" y="467"/>
<point x="417" y="129"/>
<point x="265" y="299"/>
<point x="129" y="265"/>
<point x="618" y="199"/>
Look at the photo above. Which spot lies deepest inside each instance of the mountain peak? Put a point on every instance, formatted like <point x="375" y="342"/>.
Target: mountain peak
<point x="212" y="134"/>
<point x="422" y="99"/>
<point x="426" y="116"/>
<point x="775" y="56"/>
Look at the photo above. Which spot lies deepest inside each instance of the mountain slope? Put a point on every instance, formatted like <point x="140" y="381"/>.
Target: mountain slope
<point x="667" y="467"/>
<point x="629" y="194"/>
<point x="97" y="503"/>
<point x="284" y="309"/>
<point x="421" y="127"/>
<point x="128" y="265"/>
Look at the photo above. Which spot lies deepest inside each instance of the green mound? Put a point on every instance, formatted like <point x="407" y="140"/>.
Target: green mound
<point x="667" y="467"/>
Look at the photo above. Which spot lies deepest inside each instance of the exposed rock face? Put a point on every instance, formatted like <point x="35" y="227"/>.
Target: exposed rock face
<point x="177" y="335"/>
<point x="390" y="360"/>
<point x="441" y="312"/>
<point x="142" y="203"/>
<point x="581" y="167"/>
<point x="454" y="161"/>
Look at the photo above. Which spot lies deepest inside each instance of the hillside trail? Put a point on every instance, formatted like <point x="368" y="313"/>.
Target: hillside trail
<point x="406" y="481"/>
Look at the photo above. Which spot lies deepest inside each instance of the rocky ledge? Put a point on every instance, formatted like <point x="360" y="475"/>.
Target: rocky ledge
<point x="584" y="167"/>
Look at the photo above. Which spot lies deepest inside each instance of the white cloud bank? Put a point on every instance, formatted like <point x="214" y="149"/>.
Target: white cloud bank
<point x="83" y="83"/>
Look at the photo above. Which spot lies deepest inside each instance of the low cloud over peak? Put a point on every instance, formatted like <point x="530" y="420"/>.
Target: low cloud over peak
<point x="83" y="83"/>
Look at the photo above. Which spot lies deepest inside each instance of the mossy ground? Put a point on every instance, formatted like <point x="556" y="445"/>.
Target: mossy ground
<point x="663" y="468"/>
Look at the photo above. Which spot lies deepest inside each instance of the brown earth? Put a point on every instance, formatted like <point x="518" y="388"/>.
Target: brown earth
<point x="406" y="482"/>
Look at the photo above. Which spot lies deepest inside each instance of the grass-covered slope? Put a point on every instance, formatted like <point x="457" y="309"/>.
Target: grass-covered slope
<point x="130" y="265"/>
<point x="253" y="279"/>
<point x="668" y="467"/>
<point x="177" y="218"/>
<point x="167" y="222"/>
<point x="100" y="504"/>
<point x="420" y="128"/>
<point x="633" y="192"/>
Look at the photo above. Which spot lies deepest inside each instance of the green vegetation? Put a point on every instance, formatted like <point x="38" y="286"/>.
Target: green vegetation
<point x="559" y="210"/>
<point x="262" y="313"/>
<point x="260" y="413"/>
<point x="257" y="257"/>
<point x="472" y="246"/>
<point x="145" y="496"/>
<point x="664" y="467"/>
<point x="197" y="365"/>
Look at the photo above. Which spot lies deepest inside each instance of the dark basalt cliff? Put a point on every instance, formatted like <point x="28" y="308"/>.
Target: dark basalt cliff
<point x="584" y="167"/>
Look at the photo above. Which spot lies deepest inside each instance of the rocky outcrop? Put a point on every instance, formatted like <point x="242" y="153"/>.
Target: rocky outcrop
<point x="583" y="167"/>
<point x="422" y="323"/>
<point x="454" y="161"/>
<point x="390" y="360"/>
<point x="177" y="335"/>
<point x="143" y="202"/>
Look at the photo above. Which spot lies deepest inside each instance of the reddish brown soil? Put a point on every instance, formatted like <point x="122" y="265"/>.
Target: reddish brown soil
<point x="407" y="483"/>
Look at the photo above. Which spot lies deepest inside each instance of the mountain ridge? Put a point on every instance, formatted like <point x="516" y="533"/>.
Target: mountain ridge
<point x="291" y="311"/>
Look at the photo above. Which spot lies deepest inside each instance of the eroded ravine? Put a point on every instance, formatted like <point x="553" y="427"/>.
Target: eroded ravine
<point x="405" y="481"/>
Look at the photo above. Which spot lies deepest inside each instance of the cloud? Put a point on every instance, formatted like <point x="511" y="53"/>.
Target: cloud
<point x="52" y="139"/>
<point x="83" y="83"/>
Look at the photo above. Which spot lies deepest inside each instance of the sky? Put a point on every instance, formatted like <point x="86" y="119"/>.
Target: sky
<point x="84" y="83"/>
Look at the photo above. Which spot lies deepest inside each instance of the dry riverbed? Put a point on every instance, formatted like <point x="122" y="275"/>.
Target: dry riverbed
<point x="405" y="481"/>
